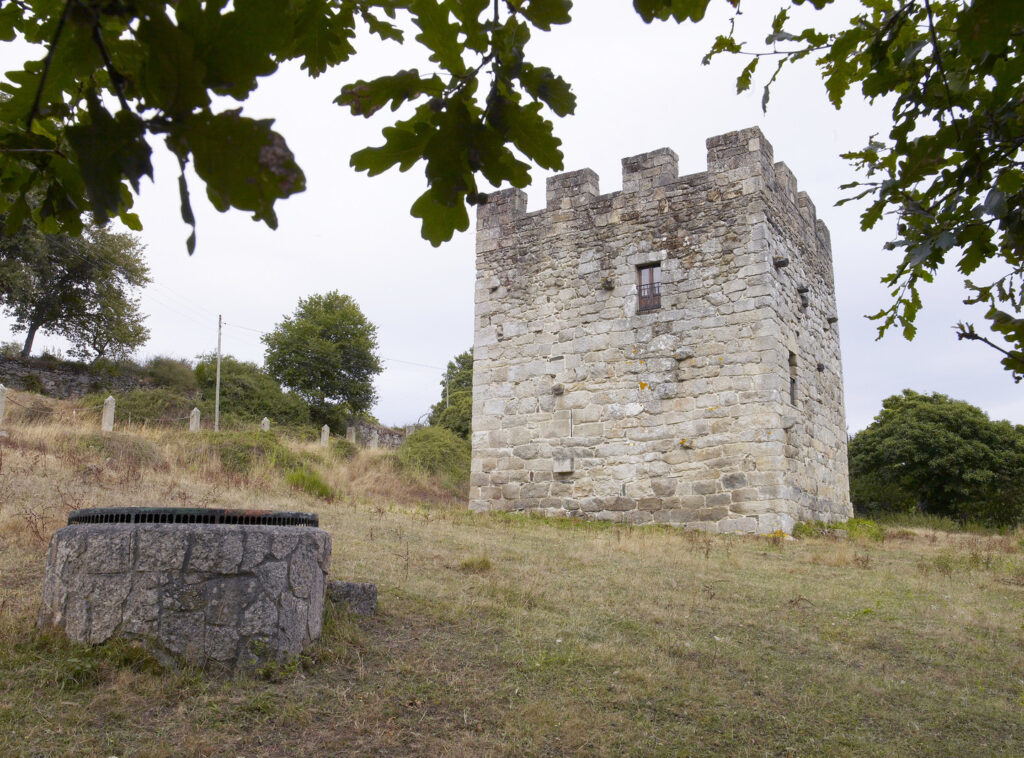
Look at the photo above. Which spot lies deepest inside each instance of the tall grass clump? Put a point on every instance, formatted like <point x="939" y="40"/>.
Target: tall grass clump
<point x="862" y="529"/>
<point x="440" y="452"/>
<point x="123" y="450"/>
<point x="310" y="482"/>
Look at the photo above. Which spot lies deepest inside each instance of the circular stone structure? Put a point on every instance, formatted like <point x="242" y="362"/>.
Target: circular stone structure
<point x="224" y="589"/>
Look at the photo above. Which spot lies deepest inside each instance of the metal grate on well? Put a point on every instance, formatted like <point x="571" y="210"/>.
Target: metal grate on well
<point x="191" y="516"/>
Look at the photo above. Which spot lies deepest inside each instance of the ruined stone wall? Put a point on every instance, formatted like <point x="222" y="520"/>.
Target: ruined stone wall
<point x="683" y="414"/>
<point x="369" y="434"/>
<point x="63" y="381"/>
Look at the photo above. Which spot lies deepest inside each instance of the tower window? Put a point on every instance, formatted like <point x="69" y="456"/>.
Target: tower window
<point x="648" y="279"/>
<point x="792" y="377"/>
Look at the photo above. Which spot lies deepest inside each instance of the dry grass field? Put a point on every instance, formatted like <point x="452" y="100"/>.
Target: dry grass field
<point x="507" y="635"/>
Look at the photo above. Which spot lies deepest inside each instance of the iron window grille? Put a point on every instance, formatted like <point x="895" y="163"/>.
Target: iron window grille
<point x="648" y="288"/>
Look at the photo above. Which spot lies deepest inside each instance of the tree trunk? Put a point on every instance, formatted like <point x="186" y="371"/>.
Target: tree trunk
<point x="27" y="350"/>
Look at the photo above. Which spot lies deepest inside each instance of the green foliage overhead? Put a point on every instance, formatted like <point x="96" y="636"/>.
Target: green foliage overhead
<point x="951" y="168"/>
<point x="939" y="456"/>
<point x="78" y="121"/>
<point x="455" y="409"/>
<point x="78" y="287"/>
<point x="326" y="352"/>
<point x="247" y="392"/>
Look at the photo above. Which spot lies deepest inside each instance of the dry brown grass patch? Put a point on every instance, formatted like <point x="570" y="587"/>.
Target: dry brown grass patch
<point x="579" y="638"/>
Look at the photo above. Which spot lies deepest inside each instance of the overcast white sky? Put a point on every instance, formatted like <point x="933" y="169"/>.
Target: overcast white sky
<point x="639" y="88"/>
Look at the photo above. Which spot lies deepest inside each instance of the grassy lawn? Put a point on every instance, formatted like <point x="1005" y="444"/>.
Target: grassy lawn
<point x="508" y="635"/>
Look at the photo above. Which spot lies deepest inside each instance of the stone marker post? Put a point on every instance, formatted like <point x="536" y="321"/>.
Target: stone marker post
<point x="107" y="422"/>
<point x="193" y="420"/>
<point x="350" y="434"/>
<point x="325" y="435"/>
<point x="265" y="424"/>
<point x="3" y="402"/>
<point x="375" y="439"/>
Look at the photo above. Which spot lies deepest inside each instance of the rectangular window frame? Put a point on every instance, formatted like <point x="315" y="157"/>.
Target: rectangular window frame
<point x="648" y="287"/>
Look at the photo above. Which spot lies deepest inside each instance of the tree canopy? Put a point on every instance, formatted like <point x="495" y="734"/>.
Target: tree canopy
<point x="76" y="125"/>
<point x="326" y="352"/>
<point x="939" y="456"/>
<point x="951" y="169"/>
<point x="454" y="410"/>
<point x="78" y="287"/>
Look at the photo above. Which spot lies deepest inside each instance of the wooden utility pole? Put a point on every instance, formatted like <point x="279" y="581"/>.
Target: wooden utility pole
<point x="216" y="392"/>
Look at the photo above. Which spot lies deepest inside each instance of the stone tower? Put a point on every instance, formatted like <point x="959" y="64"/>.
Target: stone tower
<point x="667" y="353"/>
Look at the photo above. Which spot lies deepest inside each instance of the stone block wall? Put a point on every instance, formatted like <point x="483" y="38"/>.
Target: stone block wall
<point x="219" y="596"/>
<point x="686" y="413"/>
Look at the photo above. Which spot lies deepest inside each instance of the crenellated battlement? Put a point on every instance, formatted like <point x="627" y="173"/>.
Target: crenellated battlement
<point x="742" y="159"/>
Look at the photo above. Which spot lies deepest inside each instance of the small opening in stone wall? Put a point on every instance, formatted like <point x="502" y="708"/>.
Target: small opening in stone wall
<point x="792" y="377"/>
<point x="648" y="279"/>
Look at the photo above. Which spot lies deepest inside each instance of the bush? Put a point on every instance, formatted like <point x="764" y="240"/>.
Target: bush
<point x="239" y="452"/>
<point x="310" y="482"/>
<point x="10" y="350"/>
<point x="437" y="451"/>
<point x="863" y="529"/>
<point x="804" y="529"/>
<point x="172" y="373"/>
<point x="248" y="392"/>
<point x="33" y="383"/>
<point x="458" y="415"/>
<point x="344" y="449"/>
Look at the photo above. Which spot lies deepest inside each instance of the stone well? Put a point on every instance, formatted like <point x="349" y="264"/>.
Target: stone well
<point x="220" y="589"/>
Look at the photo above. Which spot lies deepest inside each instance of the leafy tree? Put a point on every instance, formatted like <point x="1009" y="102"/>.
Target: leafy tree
<point x="939" y="456"/>
<point x="455" y="409"/>
<point x="112" y="327"/>
<point x="951" y="169"/>
<point x="326" y="352"/>
<point x="247" y="392"/>
<point x="77" y="287"/>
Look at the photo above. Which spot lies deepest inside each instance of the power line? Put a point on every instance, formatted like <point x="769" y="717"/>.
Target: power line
<point x="246" y="328"/>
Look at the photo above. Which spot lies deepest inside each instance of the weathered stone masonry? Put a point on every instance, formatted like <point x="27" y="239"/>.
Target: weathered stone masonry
<point x="721" y="409"/>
